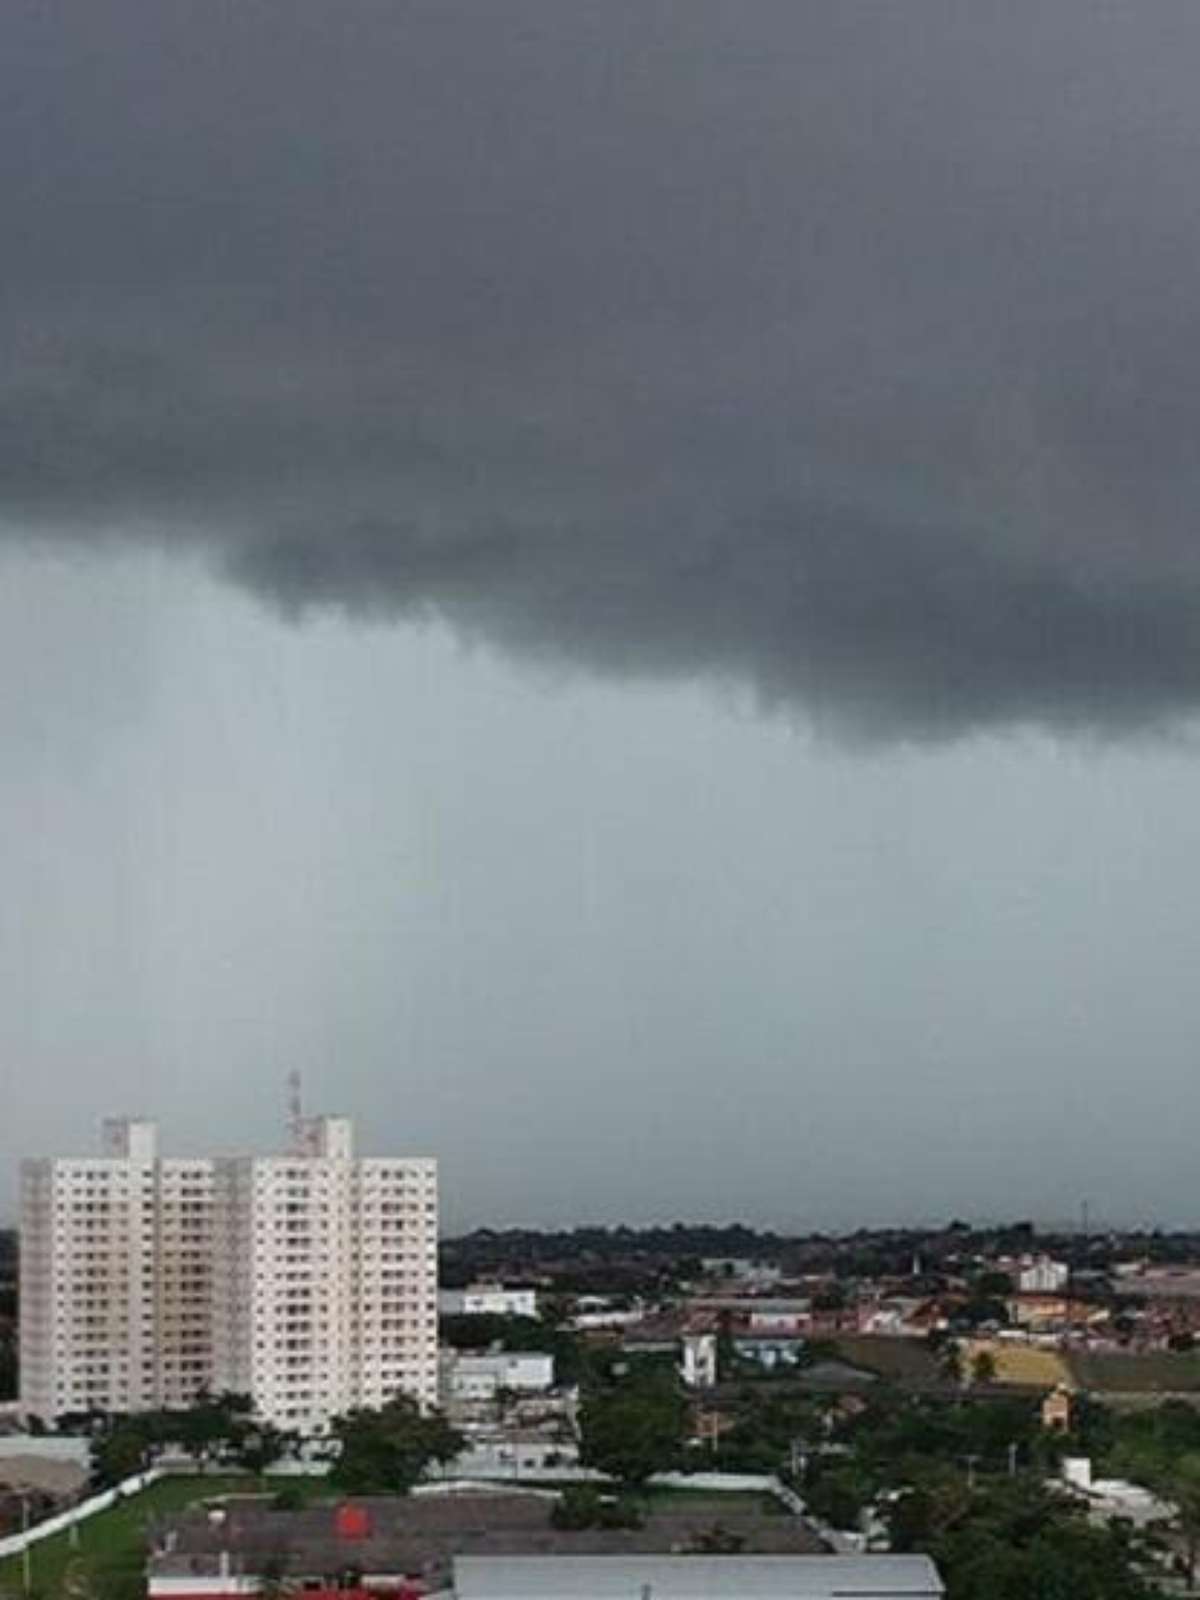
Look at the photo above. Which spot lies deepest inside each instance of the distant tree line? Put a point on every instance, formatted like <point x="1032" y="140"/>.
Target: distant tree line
<point x="214" y="1429"/>
<point x="603" y="1257"/>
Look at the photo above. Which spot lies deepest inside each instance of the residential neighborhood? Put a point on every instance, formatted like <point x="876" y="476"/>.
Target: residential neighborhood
<point x="801" y="1404"/>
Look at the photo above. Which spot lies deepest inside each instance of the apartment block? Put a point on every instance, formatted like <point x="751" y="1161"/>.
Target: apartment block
<point x="308" y="1281"/>
<point x="114" y="1298"/>
<point x="325" y="1286"/>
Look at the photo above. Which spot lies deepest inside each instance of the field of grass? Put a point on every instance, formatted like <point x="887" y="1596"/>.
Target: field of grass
<point x="902" y="1361"/>
<point x="715" y="1500"/>
<point x="1021" y="1363"/>
<point x="1162" y="1372"/>
<point x="108" y="1561"/>
<point x="110" y="1554"/>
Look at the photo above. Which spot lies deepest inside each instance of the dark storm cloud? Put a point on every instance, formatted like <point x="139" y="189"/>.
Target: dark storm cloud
<point x="848" y="351"/>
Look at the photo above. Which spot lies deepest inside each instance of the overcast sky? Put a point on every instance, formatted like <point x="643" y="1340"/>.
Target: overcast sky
<point x="618" y="584"/>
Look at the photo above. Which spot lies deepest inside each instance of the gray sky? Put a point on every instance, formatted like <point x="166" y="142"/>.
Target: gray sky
<point x="618" y="584"/>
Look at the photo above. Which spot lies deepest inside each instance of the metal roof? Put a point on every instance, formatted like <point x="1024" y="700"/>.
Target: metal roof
<point x="696" y="1578"/>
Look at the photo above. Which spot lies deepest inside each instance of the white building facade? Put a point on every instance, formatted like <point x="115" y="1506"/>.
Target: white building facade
<point x="488" y="1300"/>
<point x="1043" y="1275"/>
<point x="482" y="1377"/>
<point x="308" y="1281"/>
<point x="115" y="1262"/>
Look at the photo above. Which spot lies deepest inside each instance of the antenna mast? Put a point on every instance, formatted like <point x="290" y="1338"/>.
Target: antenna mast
<point x="295" y="1110"/>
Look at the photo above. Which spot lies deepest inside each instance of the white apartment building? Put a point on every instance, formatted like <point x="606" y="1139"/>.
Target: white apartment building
<point x="488" y="1300"/>
<point x="325" y="1280"/>
<point x="114" y="1278"/>
<point x="308" y="1281"/>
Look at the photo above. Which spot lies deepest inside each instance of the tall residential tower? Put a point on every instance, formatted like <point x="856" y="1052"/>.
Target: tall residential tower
<point x="308" y="1281"/>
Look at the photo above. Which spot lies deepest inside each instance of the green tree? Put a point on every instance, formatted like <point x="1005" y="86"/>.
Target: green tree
<point x="983" y="1367"/>
<point x="950" y="1361"/>
<point x="126" y="1447"/>
<point x="388" y="1451"/>
<point x="839" y="1495"/>
<point x="1179" y="1482"/>
<point x="1015" y="1540"/>
<point x="581" y="1505"/>
<point x="577" y="1507"/>
<point x="925" y="1513"/>
<point x="207" y="1427"/>
<point x="633" y="1428"/>
<point x="992" y="1286"/>
<point x="256" y="1446"/>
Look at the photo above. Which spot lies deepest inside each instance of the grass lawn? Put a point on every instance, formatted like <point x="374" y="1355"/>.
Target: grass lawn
<point x="1160" y="1372"/>
<point x="901" y="1361"/>
<point x="1026" y="1364"/>
<point x="672" y="1499"/>
<point x="112" y="1545"/>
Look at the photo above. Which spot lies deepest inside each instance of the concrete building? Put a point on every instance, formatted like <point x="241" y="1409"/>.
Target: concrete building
<point x="747" y="1272"/>
<point x="698" y="1360"/>
<point x="694" y="1577"/>
<point x="1042" y="1275"/>
<point x="488" y="1300"/>
<point x="325" y="1278"/>
<point x="770" y="1350"/>
<point x="469" y="1377"/>
<point x="115" y="1295"/>
<point x="308" y="1281"/>
<point x="411" y="1545"/>
<point x="1109" y="1498"/>
<point x="758" y="1314"/>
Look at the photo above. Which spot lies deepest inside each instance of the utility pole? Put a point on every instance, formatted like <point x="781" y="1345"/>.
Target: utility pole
<point x="1012" y="1459"/>
<point x="26" y="1548"/>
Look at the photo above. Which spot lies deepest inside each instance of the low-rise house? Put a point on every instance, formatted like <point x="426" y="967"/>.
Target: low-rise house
<point x="698" y="1360"/>
<point x="512" y="1454"/>
<point x="488" y="1300"/>
<point x="899" y="1316"/>
<point x="1056" y="1410"/>
<point x="1112" y="1498"/>
<point x="770" y="1350"/>
<point x="593" y="1312"/>
<point x="381" y="1545"/>
<point x="746" y="1271"/>
<point x="1040" y="1312"/>
<point x="757" y="1314"/>
<point x="1042" y="1275"/>
<point x="470" y="1377"/>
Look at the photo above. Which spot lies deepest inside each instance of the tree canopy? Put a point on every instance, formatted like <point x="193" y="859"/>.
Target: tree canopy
<point x="633" y="1427"/>
<point x="388" y="1451"/>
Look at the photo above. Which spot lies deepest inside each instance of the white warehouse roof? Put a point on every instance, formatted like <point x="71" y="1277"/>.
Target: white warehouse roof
<point x="696" y="1578"/>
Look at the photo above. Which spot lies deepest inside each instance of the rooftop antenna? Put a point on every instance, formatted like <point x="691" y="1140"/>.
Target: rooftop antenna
<point x="295" y="1109"/>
